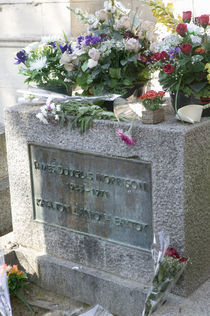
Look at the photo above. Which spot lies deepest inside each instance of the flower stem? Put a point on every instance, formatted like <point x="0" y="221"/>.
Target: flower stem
<point x="176" y="98"/>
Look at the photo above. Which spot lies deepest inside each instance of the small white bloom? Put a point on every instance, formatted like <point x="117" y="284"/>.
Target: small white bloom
<point x="132" y="45"/>
<point x="196" y="39"/>
<point x="57" y="117"/>
<point x="101" y="15"/>
<point x="41" y="117"/>
<point x="69" y="67"/>
<point x="108" y="6"/>
<point x="58" y="107"/>
<point x="38" y="64"/>
<point x="94" y="54"/>
<point x="92" y="63"/>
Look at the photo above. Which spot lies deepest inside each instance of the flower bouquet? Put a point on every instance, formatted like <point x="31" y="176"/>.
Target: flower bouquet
<point x="152" y="102"/>
<point x="168" y="268"/>
<point x="5" y="307"/>
<point x="114" y="55"/>
<point x="40" y="63"/>
<point x="183" y="59"/>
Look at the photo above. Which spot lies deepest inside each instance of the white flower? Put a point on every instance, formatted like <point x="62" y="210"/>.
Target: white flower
<point x="58" y="107"/>
<point x="92" y="63"/>
<point x="31" y="47"/>
<point x="123" y="23"/>
<point x="50" y="38"/>
<point x="65" y="58"/>
<point x="132" y="45"/>
<point x="108" y="6"/>
<point x="69" y="67"/>
<point x="101" y="15"/>
<point x="38" y="64"/>
<point x="193" y="28"/>
<point x="170" y="42"/>
<point x="196" y="39"/>
<point x="41" y="117"/>
<point x="57" y="117"/>
<point x="94" y="54"/>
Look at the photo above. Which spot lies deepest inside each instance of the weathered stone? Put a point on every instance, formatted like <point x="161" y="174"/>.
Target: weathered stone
<point x="179" y="156"/>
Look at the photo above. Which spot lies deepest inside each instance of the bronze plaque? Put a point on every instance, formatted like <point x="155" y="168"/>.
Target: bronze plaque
<point x="103" y="196"/>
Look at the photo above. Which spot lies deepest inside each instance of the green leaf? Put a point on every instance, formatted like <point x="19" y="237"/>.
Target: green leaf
<point x="85" y="66"/>
<point x="127" y="82"/>
<point x="123" y="62"/>
<point x="115" y="73"/>
<point x="198" y="86"/>
<point x="197" y="67"/>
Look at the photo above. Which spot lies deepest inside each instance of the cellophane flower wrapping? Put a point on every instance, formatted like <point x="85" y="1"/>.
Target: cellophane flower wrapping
<point x="5" y="307"/>
<point x="168" y="268"/>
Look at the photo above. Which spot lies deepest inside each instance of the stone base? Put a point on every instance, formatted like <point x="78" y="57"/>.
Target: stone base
<point x="153" y="117"/>
<point x="5" y="208"/>
<point x="118" y="295"/>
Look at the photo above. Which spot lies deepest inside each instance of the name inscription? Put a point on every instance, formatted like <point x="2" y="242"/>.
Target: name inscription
<point x="102" y="196"/>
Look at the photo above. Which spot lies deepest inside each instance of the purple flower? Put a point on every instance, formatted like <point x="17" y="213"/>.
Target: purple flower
<point x="21" y="57"/>
<point x="66" y="47"/>
<point x="172" y="52"/>
<point x="53" y="44"/>
<point x="128" y="139"/>
<point x="144" y="59"/>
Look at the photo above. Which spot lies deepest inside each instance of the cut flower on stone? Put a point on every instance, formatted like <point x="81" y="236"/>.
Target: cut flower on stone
<point x="169" y="266"/>
<point x="126" y="137"/>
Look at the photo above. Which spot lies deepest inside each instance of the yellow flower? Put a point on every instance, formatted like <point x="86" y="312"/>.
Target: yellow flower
<point x="164" y="14"/>
<point x="208" y="78"/>
<point x="207" y="66"/>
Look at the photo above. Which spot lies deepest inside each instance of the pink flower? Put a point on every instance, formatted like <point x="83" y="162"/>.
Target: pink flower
<point x="128" y="139"/>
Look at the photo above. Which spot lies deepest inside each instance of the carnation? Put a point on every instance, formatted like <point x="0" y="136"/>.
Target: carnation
<point x="181" y="29"/>
<point x="186" y="48"/>
<point x="169" y="69"/>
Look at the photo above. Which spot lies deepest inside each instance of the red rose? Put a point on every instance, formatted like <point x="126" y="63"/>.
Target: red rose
<point x="164" y="56"/>
<point x="186" y="48"/>
<point x="183" y="259"/>
<point x="171" y="252"/>
<point x="169" y="69"/>
<point x="186" y="16"/>
<point x="151" y="94"/>
<point x="156" y="57"/>
<point x="181" y="29"/>
<point x="200" y="50"/>
<point x="203" y="19"/>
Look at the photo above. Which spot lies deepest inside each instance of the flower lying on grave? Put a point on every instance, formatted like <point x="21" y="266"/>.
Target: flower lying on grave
<point x="126" y="137"/>
<point x="17" y="282"/>
<point x="152" y="100"/>
<point x="169" y="266"/>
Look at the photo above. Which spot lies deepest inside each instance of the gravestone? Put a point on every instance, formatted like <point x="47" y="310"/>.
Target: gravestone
<point x="85" y="206"/>
<point x="5" y="209"/>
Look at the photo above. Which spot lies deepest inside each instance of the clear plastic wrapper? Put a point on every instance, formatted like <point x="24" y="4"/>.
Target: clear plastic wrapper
<point x="96" y="311"/>
<point x="168" y="268"/>
<point x="5" y="307"/>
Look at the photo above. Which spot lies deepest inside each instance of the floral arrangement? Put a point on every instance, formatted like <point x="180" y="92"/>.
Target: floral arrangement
<point x="183" y="57"/>
<point x="114" y="55"/>
<point x="5" y="306"/>
<point x="152" y="100"/>
<point x="169" y="266"/>
<point x="17" y="282"/>
<point x="40" y="63"/>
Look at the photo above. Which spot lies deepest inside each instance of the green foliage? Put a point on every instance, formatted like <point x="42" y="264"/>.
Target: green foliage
<point x="83" y="113"/>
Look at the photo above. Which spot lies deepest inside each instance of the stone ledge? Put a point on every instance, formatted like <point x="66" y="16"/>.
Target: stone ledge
<point x="5" y="208"/>
<point x="118" y="295"/>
